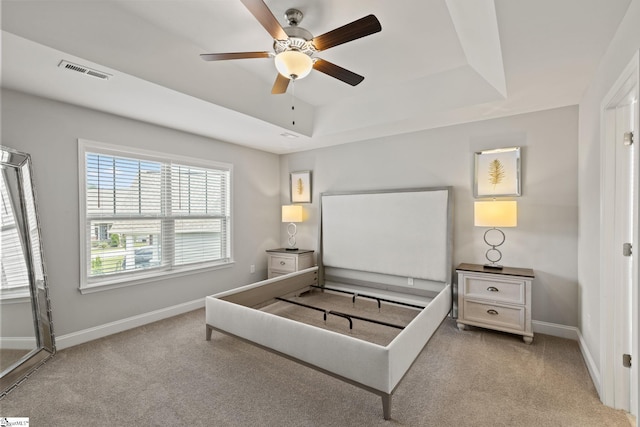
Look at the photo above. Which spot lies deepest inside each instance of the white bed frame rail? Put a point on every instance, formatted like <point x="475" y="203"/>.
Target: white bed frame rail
<point x="372" y="367"/>
<point x="393" y="220"/>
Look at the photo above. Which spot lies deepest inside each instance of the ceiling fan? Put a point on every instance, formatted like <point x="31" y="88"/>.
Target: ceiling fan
<point x="294" y="47"/>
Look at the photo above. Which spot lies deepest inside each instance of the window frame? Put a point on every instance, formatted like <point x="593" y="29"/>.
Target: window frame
<point x="88" y="284"/>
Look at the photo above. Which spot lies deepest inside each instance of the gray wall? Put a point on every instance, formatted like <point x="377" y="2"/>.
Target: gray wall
<point x="545" y="239"/>
<point x="624" y="45"/>
<point x="49" y="130"/>
<point x="547" y="233"/>
<point x="16" y="320"/>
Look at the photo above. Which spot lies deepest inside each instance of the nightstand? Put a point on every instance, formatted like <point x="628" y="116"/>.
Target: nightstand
<point x="495" y="299"/>
<point x="283" y="261"/>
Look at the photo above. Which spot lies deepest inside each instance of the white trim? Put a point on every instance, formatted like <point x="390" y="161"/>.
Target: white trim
<point x="156" y="156"/>
<point x="608" y="345"/>
<point x="89" y="285"/>
<point x="572" y="333"/>
<point x="151" y="277"/>
<point x="101" y="331"/>
<point x="21" y="298"/>
<point x="556" y="330"/>
<point x="592" y="367"/>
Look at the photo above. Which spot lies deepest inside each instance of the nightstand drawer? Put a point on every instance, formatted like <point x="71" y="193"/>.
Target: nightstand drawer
<point x="282" y="263"/>
<point x="494" y="290"/>
<point x="495" y="315"/>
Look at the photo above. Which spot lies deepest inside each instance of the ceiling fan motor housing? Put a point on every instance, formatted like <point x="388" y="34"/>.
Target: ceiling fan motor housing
<point x="299" y="39"/>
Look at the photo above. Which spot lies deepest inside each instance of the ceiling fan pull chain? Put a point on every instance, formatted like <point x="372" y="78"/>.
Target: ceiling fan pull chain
<point x="293" y="99"/>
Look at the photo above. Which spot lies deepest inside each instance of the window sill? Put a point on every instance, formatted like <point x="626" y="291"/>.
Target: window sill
<point x="152" y="276"/>
<point x="15" y="297"/>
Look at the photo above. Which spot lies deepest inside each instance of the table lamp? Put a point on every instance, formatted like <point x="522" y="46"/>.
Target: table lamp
<point x="495" y="214"/>
<point x="292" y="214"/>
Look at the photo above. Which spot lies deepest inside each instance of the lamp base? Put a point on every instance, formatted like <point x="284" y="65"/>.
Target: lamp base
<point x="291" y="229"/>
<point x="493" y="254"/>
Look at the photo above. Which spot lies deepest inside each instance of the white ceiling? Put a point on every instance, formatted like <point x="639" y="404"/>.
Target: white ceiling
<point x="435" y="63"/>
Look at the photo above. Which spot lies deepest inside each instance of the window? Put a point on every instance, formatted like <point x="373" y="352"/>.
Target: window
<point x="144" y="215"/>
<point x="15" y="274"/>
<point x="19" y="233"/>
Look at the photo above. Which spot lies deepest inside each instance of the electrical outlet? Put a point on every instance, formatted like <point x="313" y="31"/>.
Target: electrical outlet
<point x="252" y="269"/>
<point x="410" y="281"/>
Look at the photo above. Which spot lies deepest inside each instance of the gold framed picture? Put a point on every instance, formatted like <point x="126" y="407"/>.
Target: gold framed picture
<point x="300" y="186"/>
<point x="497" y="173"/>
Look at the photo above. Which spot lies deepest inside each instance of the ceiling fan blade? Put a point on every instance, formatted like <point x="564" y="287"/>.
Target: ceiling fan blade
<point x="355" y="30"/>
<point x="338" y="72"/>
<point x="233" y="55"/>
<point x="280" y="85"/>
<point x="261" y="12"/>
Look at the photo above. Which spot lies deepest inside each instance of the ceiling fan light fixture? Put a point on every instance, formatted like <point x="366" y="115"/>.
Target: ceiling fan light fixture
<point x="293" y="64"/>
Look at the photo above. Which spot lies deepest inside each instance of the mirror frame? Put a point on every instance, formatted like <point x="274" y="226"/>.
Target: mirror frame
<point x="45" y="348"/>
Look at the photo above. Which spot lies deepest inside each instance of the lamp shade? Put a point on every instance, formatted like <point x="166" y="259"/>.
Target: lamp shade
<point x="495" y="213"/>
<point x="292" y="213"/>
<point x="293" y="64"/>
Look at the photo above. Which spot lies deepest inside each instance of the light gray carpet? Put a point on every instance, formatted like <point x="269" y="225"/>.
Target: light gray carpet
<point x="167" y="374"/>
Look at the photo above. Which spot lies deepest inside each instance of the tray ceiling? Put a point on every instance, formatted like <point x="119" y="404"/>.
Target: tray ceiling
<point x="435" y="63"/>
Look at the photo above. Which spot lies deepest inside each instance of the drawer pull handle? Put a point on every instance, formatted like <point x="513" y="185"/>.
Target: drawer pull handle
<point x="282" y="263"/>
<point x="493" y="289"/>
<point x="492" y="312"/>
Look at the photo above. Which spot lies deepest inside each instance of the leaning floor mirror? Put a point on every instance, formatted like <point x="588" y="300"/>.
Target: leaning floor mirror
<point x="26" y="332"/>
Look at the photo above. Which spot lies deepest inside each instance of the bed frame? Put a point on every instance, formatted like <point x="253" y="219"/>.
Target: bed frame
<point x="387" y="245"/>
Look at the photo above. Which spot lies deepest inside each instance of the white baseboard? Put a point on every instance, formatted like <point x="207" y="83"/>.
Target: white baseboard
<point x="17" y="343"/>
<point x="556" y="330"/>
<point x="573" y="333"/>
<point x="593" y="369"/>
<point x="86" y="335"/>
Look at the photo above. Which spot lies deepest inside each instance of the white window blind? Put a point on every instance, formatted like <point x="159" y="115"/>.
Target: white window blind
<point x="14" y="274"/>
<point x="19" y="234"/>
<point x="144" y="213"/>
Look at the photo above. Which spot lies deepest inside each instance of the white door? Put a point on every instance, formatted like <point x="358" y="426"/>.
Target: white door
<point x="619" y="271"/>
<point x="623" y="232"/>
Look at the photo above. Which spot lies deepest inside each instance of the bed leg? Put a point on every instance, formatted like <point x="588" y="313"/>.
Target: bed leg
<point x="209" y="330"/>
<point x="386" y="406"/>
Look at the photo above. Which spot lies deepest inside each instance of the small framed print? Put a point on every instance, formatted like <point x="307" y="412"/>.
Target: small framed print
<point x="497" y="173"/>
<point x="300" y="186"/>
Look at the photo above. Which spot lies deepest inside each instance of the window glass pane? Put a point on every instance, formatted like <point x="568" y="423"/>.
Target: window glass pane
<point x="197" y="191"/>
<point x="199" y="240"/>
<point x="14" y="273"/>
<point x="122" y="186"/>
<point x="120" y="246"/>
<point x="218" y="203"/>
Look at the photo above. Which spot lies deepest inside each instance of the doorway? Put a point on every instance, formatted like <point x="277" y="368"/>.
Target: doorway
<point x="620" y="244"/>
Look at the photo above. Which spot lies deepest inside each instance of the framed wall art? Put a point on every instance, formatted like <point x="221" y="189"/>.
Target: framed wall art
<point x="497" y="173"/>
<point x="300" y="186"/>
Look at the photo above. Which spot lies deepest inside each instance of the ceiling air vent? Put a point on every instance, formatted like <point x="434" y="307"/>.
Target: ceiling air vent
<point x="288" y="135"/>
<point x="84" y="70"/>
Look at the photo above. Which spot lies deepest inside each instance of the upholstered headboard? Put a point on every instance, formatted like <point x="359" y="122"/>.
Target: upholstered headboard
<point x="405" y="233"/>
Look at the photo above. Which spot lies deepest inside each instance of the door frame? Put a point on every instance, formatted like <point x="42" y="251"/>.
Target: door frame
<point x="610" y="354"/>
